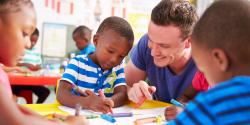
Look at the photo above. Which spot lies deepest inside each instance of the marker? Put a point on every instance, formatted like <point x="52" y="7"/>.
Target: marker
<point x="108" y="118"/>
<point x="78" y="108"/>
<point x="176" y="103"/>
<point x="156" y="119"/>
<point x="121" y="115"/>
<point x="92" y="116"/>
<point x="103" y="96"/>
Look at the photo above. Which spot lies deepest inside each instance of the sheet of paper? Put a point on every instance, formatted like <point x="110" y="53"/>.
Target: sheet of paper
<point x="138" y="113"/>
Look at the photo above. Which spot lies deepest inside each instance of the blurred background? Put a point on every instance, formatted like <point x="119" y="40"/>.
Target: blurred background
<point x="58" y="18"/>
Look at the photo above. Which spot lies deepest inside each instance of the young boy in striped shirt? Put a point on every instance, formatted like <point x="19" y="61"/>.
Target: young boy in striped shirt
<point x="102" y="70"/>
<point x="220" y="48"/>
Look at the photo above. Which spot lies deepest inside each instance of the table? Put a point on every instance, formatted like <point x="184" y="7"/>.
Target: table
<point x="33" y="80"/>
<point x="41" y="80"/>
<point x="45" y="109"/>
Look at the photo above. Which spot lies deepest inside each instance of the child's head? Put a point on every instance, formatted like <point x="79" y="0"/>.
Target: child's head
<point x="82" y="36"/>
<point x="33" y="38"/>
<point x="17" y="23"/>
<point x="220" y="40"/>
<point x="113" y="40"/>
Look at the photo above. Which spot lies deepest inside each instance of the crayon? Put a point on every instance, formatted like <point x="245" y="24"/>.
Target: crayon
<point x="121" y="115"/>
<point x="78" y="108"/>
<point x="108" y="118"/>
<point x="103" y="96"/>
<point x="92" y="116"/>
<point x="176" y="103"/>
<point x="142" y="121"/>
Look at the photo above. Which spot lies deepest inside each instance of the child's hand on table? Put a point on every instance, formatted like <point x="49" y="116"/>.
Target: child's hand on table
<point x="99" y="104"/>
<point x="171" y="112"/>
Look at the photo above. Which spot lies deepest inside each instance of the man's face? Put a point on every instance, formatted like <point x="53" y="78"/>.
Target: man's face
<point x="166" y="44"/>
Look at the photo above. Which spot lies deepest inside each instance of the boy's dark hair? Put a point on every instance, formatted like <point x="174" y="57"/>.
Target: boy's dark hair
<point x="180" y="13"/>
<point x="119" y="25"/>
<point x="36" y="32"/>
<point x="13" y="5"/>
<point x="81" y="31"/>
<point x="226" y="25"/>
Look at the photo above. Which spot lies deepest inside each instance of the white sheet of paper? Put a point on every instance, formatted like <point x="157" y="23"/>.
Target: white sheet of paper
<point x="138" y="113"/>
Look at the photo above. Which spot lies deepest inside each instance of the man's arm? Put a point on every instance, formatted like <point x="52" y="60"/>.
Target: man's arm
<point x="133" y="74"/>
<point x="137" y="88"/>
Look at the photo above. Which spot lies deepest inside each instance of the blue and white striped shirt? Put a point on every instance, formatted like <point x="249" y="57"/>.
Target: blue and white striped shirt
<point x="228" y="103"/>
<point x="84" y="73"/>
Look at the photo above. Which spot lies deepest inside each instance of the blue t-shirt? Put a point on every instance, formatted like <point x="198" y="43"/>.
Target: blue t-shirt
<point x="225" y="104"/>
<point x="168" y="85"/>
<point x="87" y="50"/>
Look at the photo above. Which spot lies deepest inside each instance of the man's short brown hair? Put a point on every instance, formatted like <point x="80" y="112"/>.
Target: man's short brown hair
<point x="180" y="13"/>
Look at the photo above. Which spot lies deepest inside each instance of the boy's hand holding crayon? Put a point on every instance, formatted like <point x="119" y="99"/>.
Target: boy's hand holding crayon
<point x="97" y="103"/>
<point x="172" y="111"/>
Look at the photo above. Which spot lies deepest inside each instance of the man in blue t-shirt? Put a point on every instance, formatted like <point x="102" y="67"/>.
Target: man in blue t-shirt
<point x="163" y="55"/>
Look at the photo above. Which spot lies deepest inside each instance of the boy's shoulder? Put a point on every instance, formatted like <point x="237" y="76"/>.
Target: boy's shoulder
<point x="239" y="83"/>
<point x="226" y="94"/>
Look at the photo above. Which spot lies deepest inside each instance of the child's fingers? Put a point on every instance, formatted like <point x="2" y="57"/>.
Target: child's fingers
<point x="109" y="102"/>
<point x="90" y="93"/>
<point x="152" y="89"/>
<point x="170" y="112"/>
<point x="105" y="109"/>
<point x="170" y="117"/>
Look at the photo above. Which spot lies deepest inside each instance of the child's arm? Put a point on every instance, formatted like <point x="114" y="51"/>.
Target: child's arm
<point x="188" y="94"/>
<point x="18" y="115"/>
<point x="14" y="69"/>
<point x="120" y="95"/>
<point x="30" y="66"/>
<point x="90" y="101"/>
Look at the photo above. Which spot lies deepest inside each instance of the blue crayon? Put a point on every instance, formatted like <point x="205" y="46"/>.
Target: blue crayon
<point x="108" y="118"/>
<point x="176" y="103"/>
<point x="121" y="115"/>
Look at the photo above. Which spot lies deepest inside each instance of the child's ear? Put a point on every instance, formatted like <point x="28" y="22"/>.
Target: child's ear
<point x="95" y="39"/>
<point x="187" y="42"/>
<point x="221" y="59"/>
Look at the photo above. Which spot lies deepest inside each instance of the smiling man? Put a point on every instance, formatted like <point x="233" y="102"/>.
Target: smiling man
<point x="163" y="55"/>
